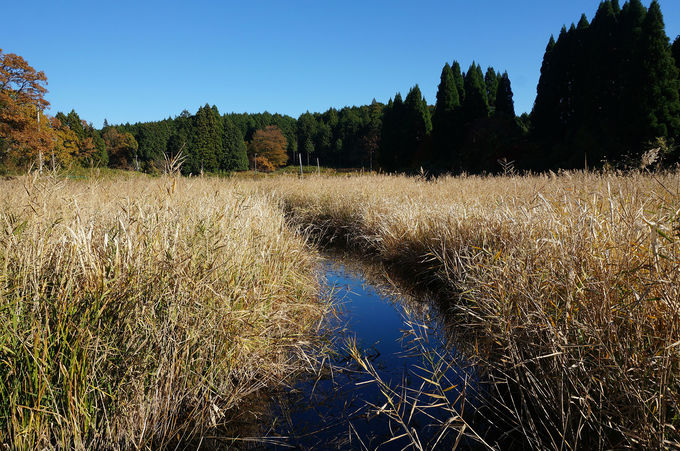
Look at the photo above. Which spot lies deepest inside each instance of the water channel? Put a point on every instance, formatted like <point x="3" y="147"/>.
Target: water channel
<point x="403" y="339"/>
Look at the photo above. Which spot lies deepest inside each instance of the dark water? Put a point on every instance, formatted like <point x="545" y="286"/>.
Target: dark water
<point x="340" y="409"/>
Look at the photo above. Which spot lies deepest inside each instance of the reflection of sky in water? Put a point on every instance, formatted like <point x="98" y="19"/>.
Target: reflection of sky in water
<point x="332" y="412"/>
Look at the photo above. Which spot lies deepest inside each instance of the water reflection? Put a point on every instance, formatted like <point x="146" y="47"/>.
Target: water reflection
<point x="424" y="384"/>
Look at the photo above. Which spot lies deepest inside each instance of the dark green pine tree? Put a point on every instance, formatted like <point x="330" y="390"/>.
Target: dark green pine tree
<point x="476" y="104"/>
<point x="392" y="135"/>
<point x="75" y="124"/>
<point x="460" y="82"/>
<point x="660" y="112"/>
<point x="234" y="155"/>
<point x="417" y="126"/>
<point x="447" y="93"/>
<point x="543" y="115"/>
<point x="206" y="142"/>
<point x="505" y="106"/>
<point x="152" y="139"/>
<point x="306" y="134"/>
<point x="675" y="51"/>
<point x="444" y="119"/>
<point x="491" y="79"/>
<point x="475" y="114"/>
<point x="598" y="132"/>
<point x="180" y="140"/>
<point x="628" y="33"/>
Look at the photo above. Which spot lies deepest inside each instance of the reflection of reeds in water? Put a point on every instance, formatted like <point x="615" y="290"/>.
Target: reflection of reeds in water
<point x="567" y="285"/>
<point x="440" y="400"/>
<point x="430" y="400"/>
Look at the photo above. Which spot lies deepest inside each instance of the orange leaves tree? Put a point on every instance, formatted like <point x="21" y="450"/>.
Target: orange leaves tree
<point x="25" y="131"/>
<point x="268" y="143"/>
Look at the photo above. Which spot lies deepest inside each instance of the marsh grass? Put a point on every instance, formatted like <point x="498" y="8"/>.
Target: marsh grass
<point x="566" y="287"/>
<point x="141" y="313"/>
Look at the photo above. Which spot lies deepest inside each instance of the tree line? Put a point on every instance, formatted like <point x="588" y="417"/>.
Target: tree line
<point x="609" y="90"/>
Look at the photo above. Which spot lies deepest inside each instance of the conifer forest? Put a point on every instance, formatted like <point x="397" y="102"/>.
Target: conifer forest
<point x="608" y="91"/>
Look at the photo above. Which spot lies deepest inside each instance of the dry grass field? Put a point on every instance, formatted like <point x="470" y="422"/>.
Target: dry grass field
<point x="139" y="313"/>
<point x="567" y="287"/>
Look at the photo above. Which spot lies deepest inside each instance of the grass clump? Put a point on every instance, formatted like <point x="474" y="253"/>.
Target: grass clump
<point x="567" y="286"/>
<point x="138" y="313"/>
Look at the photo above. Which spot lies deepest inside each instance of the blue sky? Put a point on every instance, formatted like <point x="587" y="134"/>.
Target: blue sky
<point x="143" y="61"/>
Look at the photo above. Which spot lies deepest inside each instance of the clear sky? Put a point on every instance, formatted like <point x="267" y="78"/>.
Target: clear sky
<point x="148" y="60"/>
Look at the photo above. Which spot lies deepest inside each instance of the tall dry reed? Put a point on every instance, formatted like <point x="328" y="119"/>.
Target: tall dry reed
<point x="139" y="313"/>
<point x="568" y="287"/>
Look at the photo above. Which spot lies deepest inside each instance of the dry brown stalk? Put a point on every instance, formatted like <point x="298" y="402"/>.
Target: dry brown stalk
<point x="137" y="316"/>
<point x="571" y="283"/>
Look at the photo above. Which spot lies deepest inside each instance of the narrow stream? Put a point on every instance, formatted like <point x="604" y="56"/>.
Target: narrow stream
<point x="396" y="335"/>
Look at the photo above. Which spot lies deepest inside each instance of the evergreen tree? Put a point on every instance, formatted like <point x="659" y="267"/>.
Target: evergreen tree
<point x="607" y="88"/>
<point x="475" y="117"/>
<point x="444" y="120"/>
<point x="306" y="133"/>
<point x="491" y="79"/>
<point x="417" y="121"/>
<point x="659" y="107"/>
<point x="76" y="124"/>
<point x="206" y="143"/>
<point x="476" y="105"/>
<point x="675" y="51"/>
<point x="505" y="106"/>
<point x="447" y="93"/>
<point x="234" y="155"/>
<point x="391" y="142"/>
<point x="460" y="82"/>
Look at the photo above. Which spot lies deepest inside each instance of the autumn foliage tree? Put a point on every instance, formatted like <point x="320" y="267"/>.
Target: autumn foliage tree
<point x="269" y="143"/>
<point x="122" y="148"/>
<point x="25" y="132"/>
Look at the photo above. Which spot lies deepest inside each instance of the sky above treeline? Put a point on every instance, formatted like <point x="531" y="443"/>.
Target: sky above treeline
<point x="145" y="61"/>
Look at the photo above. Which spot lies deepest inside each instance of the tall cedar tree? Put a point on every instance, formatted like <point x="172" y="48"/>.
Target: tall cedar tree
<point x="392" y="134"/>
<point x="675" y="51"/>
<point x="659" y="98"/>
<point x="607" y="88"/>
<point x="460" y="82"/>
<point x="476" y="104"/>
<point x="234" y="155"/>
<point x="417" y="126"/>
<point x="491" y="79"/>
<point x="542" y="115"/>
<point x="206" y="142"/>
<point x="505" y="106"/>
<point x="406" y="126"/>
<point x="475" y="112"/>
<point x="306" y="133"/>
<point x="444" y="119"/>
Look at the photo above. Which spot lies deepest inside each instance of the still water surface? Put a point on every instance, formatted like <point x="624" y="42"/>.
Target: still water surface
<point x="338" y="410"/>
